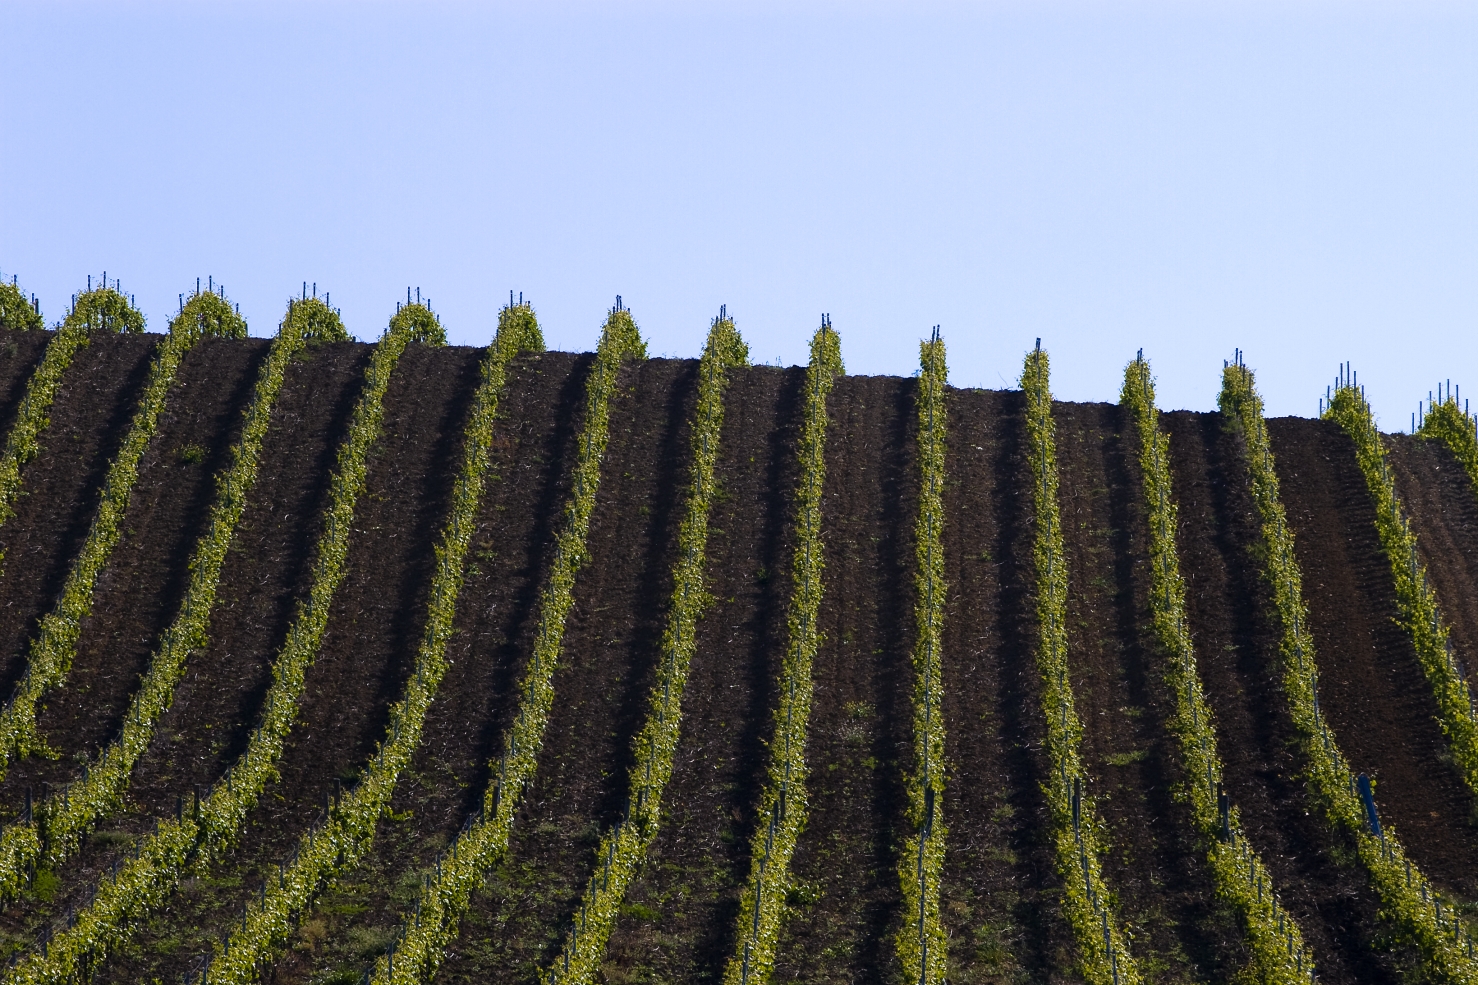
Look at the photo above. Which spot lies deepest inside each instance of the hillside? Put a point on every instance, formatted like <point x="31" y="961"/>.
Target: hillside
<point x="844" y="908"/>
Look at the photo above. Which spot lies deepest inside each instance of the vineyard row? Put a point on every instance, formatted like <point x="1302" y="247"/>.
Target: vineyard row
<point x="1239" y="875"/>
<point x="56" y="829"/>
<point x="782" y="808"/>
<point x="1407" y="898"/>
<point x="204" y="830"/>
<point x="922" y="941"/>
<point x="1088" y="903"/>
<point x="1416" y="602"/>
<point x="55" y="646"/>
<point x="420" y="947"/>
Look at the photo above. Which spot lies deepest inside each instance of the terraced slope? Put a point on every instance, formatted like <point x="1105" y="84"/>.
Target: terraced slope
<point x="1001" y="891"/>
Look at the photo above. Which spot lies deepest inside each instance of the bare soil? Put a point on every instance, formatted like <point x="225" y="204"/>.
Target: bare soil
<point x="1371" y="686"/>
<point x="533" y="453"/>
<point x="60" y="486"/>
<point x="1001" y="891"/>
<point x="517" y="928"/>
<point x="20" y="354"/>
<point x="366" y="653"/>
<point x="140" y="591"/>
<point x="1230" y="609"/>
<point x="678" y="922"/>
<point x="1154" y="861"/>
<point x="1000" y="887"/>
<point x="1438" y="498"/>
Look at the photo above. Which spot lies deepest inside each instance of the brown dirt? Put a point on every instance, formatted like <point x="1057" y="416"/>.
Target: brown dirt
<point x="89" y="417"/>
<point x="1371" y="686"/>
<point x="213" y="704"/>
<point x="20" y="354"/>
<point x="1000" y="888"/>
<point x="1153" y="860"/>
<point x="860" y="737"/>
<point x="601" y="685"/>
<point x="1229" y="608"/>
<point x="678" y="921"/>
<point x="533" y="453"/>
<point x="266" y="571"/>
<point x="1438" y="497"/>
<point x="1001" y="893"/>
<point x="368" y="649"/>
<point x="140" y="591"/>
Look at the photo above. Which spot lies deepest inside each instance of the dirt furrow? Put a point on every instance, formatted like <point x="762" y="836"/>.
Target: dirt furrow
<point x="1000" y="889"/>
<point x="20" y="353"/>
<point x="534" y="450"/>
<point x="515" y="929"/>
<point x="847" y="901"/>
<point x="678" y="923"/>
<point x="139" y="592"/>
<point x="1371" y="686"/>
<point x="1154" y="862"/>
<point x="1236" y="636"/>
<point x="367" y="651"/>
<point x="60" y="486"/>
<point x="1439" y="498"/>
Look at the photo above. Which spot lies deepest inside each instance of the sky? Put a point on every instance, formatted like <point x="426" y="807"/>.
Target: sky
<point x="1298" y="180"/>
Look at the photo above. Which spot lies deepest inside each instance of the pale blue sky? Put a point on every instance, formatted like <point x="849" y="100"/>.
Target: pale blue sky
<point x="1297" y="179"/>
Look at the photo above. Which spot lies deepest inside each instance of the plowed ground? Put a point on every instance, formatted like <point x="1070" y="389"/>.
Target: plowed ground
<point x="1001" y="889"/>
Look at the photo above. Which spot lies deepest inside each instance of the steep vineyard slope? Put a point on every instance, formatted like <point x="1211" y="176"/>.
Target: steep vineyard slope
<point x="1439" y="499"/>
<point x="533" y="449"/>
<point x="601" y="684"/>
<point x="19" y="355"/>
<point x="1374" y="692"/>
<point x="147" y="575"/>
<point x="361" y="664"/>
<point x="89" y="418"/>
<point x="680" y="913"/>
<point x="1001" y="886"/>
<point x="844" y="923"/>
<point x="1229" y="609"/>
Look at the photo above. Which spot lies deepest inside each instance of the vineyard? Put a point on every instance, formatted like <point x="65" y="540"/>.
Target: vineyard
<point x="393" y="662"/>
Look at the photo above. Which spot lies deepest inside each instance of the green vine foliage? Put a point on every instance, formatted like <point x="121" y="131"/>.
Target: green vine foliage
<point x="70" y="813"/>
<point x="419" y="950"/>
<point x="1279" y="956"/>
<point x="1103" y="957"/>
<point x="51" y="653"/>
<point x="1416" y="910"/>
<point x="782" y="807"/>
<point x="210" y="315"/>
<point x="104" y="309"/>
<point x="422" y="324"/>
<point x="348" y="829"/>
<point x="624" y="847"/>
<point x="314" y="321"/>
<point x="1446" y="422"/>
<point x="922" y="941"/>
<point x="34" y="414"/>
<point x="17" y="312"/>
<point x="1416" y="602"/>
<point x="205" y="831"/>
